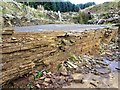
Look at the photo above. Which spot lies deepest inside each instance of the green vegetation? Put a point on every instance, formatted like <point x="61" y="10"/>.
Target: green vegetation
<point x="59" y="6"/>
<point x="59" y="66"/>
<point x="82" y="18"/>
<point x="73" y="57"/>
<point x="119" y="5"/>
<point x="19" y="9"/>
<point x="83" y="6"/>
<point x="30" y="85"/>
<point x="106" y="6"/>
<point x="39" y="74"/>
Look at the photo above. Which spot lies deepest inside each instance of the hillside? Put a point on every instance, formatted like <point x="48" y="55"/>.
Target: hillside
<point x="105" y="13"/>
<point x="105" y="7"/>
<point x="17" y="14"/>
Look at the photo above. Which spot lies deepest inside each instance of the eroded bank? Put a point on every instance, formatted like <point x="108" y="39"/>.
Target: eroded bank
<point x="21" y="52"/>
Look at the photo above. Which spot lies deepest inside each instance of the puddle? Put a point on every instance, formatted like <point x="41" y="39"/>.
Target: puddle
<point x="112" y="65"/>
<point x="103" y="70"/>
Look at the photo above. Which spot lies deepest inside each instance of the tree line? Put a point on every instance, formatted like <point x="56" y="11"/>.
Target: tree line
<point x="63" y="6"/>
<point x="83" y="6"/>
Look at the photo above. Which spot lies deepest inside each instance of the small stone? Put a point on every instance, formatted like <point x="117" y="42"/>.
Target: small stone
<point x="79" y="81"/>
<point x="44" y="83"/>
<point x="94" y="79"/>
<point x="44" y="73"/>
<point x="94" y="83"/>
<point x="53" y="80"/>
<point x="72" y="41"/>
<point x="63" y="68"/>
<point x="44" y="36"/>
<point x="64" y="73"/>
<point x="31" y="38"/>
<point x="109" y="53"/>
<point x="103" y="70"/>
<point x="7" y="31"/>
<point x="71" y="64"/>
<point x="57" y="79"/>
<point x="49" y="73"/>
<point x="61" y="82"/>
<point x="117" y="68"/>
<point x="42" y="78"/>
<point x="62" y="77"/>
<point x="47" y="80"/>
<point x="69" y="80"/>
<point x="40" y="81"/>
<point x="77" y="78"/>
<point x="13" y="38"/>
<point x="38" y="86"/>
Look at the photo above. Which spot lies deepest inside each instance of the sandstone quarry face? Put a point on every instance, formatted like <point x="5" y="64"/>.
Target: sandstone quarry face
<point x="21" y="52"/>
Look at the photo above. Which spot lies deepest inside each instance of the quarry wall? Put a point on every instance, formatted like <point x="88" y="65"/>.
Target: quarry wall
<point x="22" y="52"/>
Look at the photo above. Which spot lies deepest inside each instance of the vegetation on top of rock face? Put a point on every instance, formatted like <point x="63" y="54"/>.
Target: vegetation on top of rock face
<point x="105" y="13"/>
<point x="82" y="18"/>
<point x="63" y="6"/>
<point x="83" y="6"/>
<point x="18" y="9"/>
<point x="104" y="7"/>
<point x="18" y="14"/>
<point x="22" y="14"/>
<point x="55" y="6"/>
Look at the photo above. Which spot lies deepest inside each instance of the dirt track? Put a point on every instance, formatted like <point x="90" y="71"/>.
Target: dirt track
<point x="61" y="27"/>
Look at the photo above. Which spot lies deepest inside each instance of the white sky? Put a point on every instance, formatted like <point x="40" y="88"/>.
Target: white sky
<point x="85" y="1"/>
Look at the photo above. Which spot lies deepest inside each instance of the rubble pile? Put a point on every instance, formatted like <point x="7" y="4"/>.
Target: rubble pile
<point x="94" y="64"/>
<point x="53" y="80"/>
<point x="44" y="79"/>
<point x="110" y="17"/>
<point x="99" y="71"/>
<point x="86" y="64"/>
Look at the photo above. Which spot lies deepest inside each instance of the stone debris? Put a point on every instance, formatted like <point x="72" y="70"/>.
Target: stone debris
<point x="95" y="84"/>
<point x="24" y="51"/>
<point x="13" y="38"/>
<point x="56" y="80"/>
<point x="70" y="64"/>
<point x="110" y="16"/>
<point x="87" y="63"/>
<point x="47" y="80"/>
<point x="78" y="78"/>
<point x="64" y="73"/>
<point x="38" y="86"/>
<point x="117" y="68"/>
<point x="95" y="65"/>
<point x="7" y="31"/>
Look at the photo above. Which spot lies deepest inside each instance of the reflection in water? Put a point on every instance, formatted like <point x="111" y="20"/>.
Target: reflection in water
<point x="112" y="64"/>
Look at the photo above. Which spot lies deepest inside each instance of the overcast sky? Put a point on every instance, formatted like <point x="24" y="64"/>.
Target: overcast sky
<point x="84" y="1"/>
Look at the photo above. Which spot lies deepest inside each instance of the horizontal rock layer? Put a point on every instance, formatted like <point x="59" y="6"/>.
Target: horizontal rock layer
<point x="21" y="52"/>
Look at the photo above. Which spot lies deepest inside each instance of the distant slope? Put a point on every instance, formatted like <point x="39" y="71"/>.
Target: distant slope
<point x="105" y="7"/>
<point x="17" y="14"/>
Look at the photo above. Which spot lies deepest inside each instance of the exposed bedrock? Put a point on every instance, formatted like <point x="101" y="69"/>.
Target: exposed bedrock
<point x="21" y="52"/>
